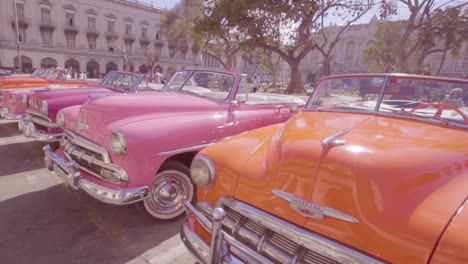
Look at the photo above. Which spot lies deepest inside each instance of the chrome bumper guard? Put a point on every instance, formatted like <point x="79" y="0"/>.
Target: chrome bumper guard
<point x="69" y="173"/>
<point x="241" y="233"/>
<point x="26" y="125"/>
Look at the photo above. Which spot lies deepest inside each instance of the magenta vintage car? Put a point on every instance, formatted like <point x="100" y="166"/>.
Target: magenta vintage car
<point x="40" y="120"/>
<point x="138" y="148"/>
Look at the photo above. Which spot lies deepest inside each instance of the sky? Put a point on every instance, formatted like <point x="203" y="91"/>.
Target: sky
<point x="162" y="3"/>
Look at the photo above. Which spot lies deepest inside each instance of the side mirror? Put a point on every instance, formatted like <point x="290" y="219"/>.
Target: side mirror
<point x="237" y="102"/>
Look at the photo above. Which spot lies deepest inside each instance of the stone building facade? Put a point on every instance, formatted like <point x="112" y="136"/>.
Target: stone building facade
<point x="90" y="36"/>
<point x="347" y="57"/>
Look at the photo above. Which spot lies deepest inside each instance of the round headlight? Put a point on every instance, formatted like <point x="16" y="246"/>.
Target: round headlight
<point x="24" y="99"/>
<point x="60" y="119"/>
<point x="203" y="171"/>
<point x="44" y="109"/>
<point x="118" y="142"/>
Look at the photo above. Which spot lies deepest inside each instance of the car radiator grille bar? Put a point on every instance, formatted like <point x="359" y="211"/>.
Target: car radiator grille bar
<point x="278" y="240"/>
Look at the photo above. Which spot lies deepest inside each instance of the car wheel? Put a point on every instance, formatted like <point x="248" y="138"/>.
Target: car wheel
<point x="170" y="187"/>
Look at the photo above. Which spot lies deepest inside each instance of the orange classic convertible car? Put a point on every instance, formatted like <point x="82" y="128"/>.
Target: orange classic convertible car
<point x="374" y="170"/>
<point x="40" y="78"/>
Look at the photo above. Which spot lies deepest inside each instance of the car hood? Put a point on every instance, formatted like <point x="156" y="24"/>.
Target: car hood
<point x="85" y="91"/>
<point x="103" y="115"/>
<point x="60" y="98"/>
<point x="386" y="176"/>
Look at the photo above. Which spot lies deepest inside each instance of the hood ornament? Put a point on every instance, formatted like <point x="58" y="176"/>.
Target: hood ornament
<point x="333" y="141"/>
<point x="312" y="210"/>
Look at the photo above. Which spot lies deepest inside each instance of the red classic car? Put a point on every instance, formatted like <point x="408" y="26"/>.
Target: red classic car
<point x="373" y="170"/>
<point x="40" y="121"/>
<point x="40" y="78"/>
<point x="138" y="148"/>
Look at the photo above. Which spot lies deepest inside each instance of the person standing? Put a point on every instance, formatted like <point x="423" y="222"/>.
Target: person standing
<point x="158" y="76"/>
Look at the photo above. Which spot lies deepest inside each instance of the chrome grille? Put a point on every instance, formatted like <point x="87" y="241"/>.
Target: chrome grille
<point x="91" y="157"/>
<point x="277" y="240"/>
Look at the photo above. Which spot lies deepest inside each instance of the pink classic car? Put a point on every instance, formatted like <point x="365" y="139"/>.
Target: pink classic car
<point x="14" y="101"/>
<point x="40" y="121"/>
<point x="138" y="148"/>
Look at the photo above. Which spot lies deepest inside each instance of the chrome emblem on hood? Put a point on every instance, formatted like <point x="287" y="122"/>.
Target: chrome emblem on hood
<point x="312" y="210"/>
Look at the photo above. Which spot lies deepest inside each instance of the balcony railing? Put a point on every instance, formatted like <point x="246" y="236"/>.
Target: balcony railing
<point x="46" y="24"/>
<point x="70" y="28"/>
<point x="22" y="21"/>
<point x="159" y="43"/>
<point x="92" y="32"/>
<point x="111" y="35"/>
<point x="129" y="37"/>
<point x="145" y="40"/>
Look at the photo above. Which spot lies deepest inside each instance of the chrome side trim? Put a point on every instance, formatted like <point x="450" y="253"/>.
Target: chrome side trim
<point x="182" y="150"/>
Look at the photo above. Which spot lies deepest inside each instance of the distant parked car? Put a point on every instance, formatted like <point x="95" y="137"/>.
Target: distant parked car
<point x="138" y="148"/>
<point x="41" y="121"/>
<point x="359" y="176"/>
<point x="39" y="78"/>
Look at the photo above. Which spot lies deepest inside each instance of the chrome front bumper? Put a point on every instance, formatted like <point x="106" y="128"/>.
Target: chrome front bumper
<point x="69" y="173"/>
<point x="224" y="249"/>
<point x="29" y="130"/>
<point x="241" y="233"/>
<point x="5" y="113"/>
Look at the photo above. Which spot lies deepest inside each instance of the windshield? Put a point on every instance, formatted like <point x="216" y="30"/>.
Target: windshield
<point x="439" y="100"/>
<point x="123" y="82"/>
<point x="214" y="85"/>
<point x="177" y="81"/>
<point x="52" y="74"/>
<point x="38" y="72"/>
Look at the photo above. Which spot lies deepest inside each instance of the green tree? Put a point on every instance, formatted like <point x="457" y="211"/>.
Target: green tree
<point x="285" y="27"/>
<point x="381" y="57"/>
<point x="178" y="26"/>
<point x="221" y="40"/>
<point x="429" y="29"/>
<point x="271" y="63"/>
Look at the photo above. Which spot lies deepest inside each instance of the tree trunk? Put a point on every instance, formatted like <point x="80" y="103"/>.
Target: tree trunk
<point x="229" y="60"/>
<point x="442" y="62"/>
<point x="326" y="69"/>
<point x="295" y="84"/>
<point x="274" y="76"/>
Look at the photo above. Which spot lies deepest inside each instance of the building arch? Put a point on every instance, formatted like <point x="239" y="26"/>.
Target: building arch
<point x="26" y="62"/>
<point x="73" y="63"/>
<point x="111" y="66"/>
<point x="48" y="63"/>
<point x="92" y="69"/>
<point x="370" y="43"/>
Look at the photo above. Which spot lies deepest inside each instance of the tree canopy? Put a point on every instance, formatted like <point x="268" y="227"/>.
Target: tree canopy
<point x="285" y="27"/>
<point x="404" y="46"/>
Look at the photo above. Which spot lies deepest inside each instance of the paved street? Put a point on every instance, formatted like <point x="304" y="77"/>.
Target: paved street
<point x="42" y="221"/>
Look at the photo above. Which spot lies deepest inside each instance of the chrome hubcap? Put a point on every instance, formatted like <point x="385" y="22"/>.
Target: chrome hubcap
<point x="167" y="193"/>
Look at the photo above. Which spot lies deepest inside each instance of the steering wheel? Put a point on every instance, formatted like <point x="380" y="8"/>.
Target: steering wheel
<point x="440" y="108"/>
